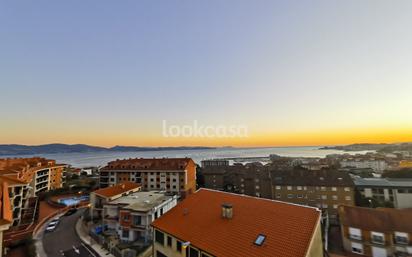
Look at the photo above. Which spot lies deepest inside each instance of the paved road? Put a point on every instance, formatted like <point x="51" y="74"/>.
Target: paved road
<point x="64" y="241"/>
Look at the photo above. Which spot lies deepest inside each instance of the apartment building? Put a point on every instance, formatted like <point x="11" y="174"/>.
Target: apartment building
<point x="26" y="178"/>
<point x="214" y="162"/>
<point x="378" y="165"/>
<point x="131" y="215"/>
<point x="250" y="179"/>
<point x="378" y="232"/>
<point x="6" y="218"/>
<point x="176" y="175"/>
<point x="324" y="189"/>
<point x="396" y="191"/>
<point x="213" y="223"/>
<point x="105" y="195"/>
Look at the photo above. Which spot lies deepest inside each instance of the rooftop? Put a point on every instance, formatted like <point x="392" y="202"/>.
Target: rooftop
<point x="300" y="176"/>
<point x="379" y="220"/>
<point x="150" y="164"/>
<point x="142" y="201"/>
<point x="287" y="228"/>
<point x="383" y="182"/>
<point x="117" y="189"/>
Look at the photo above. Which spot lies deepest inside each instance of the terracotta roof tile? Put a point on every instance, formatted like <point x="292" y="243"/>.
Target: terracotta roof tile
<point x="380" y="219"/>
<point x="117" y="189"/>
<point x="150" y="164"/>
<point x="288" y="228"/>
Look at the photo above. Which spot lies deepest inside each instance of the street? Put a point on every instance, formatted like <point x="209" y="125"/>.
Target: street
<point x="64" y="241"/>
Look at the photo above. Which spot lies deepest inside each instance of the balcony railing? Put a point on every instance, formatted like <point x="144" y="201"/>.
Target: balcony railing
<point x="356" y="237"/>
<point x="401" y="240"/>
<point x="378" y="240"/>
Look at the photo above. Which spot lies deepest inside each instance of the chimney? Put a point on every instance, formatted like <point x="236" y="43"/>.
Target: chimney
<point x="227" y="211"/>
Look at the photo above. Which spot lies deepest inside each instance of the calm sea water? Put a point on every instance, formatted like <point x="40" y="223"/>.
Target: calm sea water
<point x="101" y="159"/>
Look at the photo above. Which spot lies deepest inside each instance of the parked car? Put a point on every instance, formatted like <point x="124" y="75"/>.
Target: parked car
<point x="70" y="212"/>
<point x="51" y="227"/>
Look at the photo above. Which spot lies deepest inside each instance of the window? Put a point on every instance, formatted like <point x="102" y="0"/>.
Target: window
<point x="126" y="217"/>
<point x="178" y="246"/>
<point x="348" y="198"/>
<point x="278" y="196"/>
<point x="169" y="241"/>
<point x="347" y="189"/>
<point x="290" y="195"/>
<point x="300" y="196"/>
<point x="378" y="238"/>
<point x="334" y="197"/>
<point x="324" y="197"/>
<point x="357" y="248"/>
<point x="304" y="188"/>
<point x="334" y="189"/>
<point x="125" y="233"/>
<point x="289" y="187"/>
<point x="335" y="206"/>
<point x="278" y="187"/>
<point x="355" y="233"/>
<point x="325" y="206"/>
<point x="299" y="188"/>
<point x="260" y="239"/>
<point x="137" y="220"/>
<point x="159" y="237"/>
<point x="193" y="252"/>
<point x="401" y="238"/>
<point x="323" y="188"/>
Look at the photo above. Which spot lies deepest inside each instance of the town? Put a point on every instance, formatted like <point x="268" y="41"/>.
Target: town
<point x="340" y="205"/>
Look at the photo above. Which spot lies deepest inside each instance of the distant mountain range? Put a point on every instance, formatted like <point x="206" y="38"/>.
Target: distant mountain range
<point x="384" y="148"/>
<point x="81" y="148"/>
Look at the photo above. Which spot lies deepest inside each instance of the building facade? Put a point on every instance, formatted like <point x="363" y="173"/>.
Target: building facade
<point x="6" y="218"/>
<point x="376" y="232"/>
<point x="250" y="179"/>
<point x="105" y="195"/>
<point x="176" y="175"/>
<point x="377" y="165"/>
<point x="324" y="189"/>
<point x="26" y="178"/>
<point x="213" y="223"/>
<point x="396" y="191"/>
<point x="131" y="215"/>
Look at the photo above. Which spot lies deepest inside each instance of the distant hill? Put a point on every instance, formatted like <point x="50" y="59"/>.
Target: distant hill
<point x="81" y="148"/>
<point x="384" y="148"/>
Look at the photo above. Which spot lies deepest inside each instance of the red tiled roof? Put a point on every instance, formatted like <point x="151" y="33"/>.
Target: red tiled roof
<point x="117" y="189"/>
<point x="150" y="164"/>
<point x="380" y="219"/>
<point x="288" y="228"/>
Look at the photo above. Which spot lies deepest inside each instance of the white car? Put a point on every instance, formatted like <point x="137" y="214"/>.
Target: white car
<point x="54" y="221"/>
<point x="51" y="227"/>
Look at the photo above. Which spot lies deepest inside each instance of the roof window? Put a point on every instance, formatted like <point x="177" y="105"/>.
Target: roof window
<point x="260" y="239"/>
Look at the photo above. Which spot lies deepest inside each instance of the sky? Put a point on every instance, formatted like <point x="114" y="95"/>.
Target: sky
<point x="293" y="72"/>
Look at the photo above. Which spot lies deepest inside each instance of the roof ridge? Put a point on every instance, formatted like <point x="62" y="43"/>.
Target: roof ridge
<point x="259" y="198"/>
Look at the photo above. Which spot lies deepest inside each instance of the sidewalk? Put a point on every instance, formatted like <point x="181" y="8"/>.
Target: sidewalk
<point x="86" y="239"/>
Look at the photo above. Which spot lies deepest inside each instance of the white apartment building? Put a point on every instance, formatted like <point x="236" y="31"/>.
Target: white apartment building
<point x="376" y="165"/>
<point x="396" y="191"/>
<point x="130" y="216"/>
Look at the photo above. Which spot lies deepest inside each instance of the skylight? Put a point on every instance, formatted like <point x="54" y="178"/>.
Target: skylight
<point x="260" y="239"/>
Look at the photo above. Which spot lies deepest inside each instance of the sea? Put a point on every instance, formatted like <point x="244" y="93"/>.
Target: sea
<point x="98" y="159"/>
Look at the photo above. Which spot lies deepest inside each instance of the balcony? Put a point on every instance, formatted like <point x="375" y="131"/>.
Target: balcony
<point x="401" y="240"/>
<point x="355" y="237"/>
<point x="112" y="218"/>
<point x="378" y="240"/>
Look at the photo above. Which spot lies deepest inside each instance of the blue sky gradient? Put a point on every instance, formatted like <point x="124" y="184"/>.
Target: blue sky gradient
<point x="108" y="72"/>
